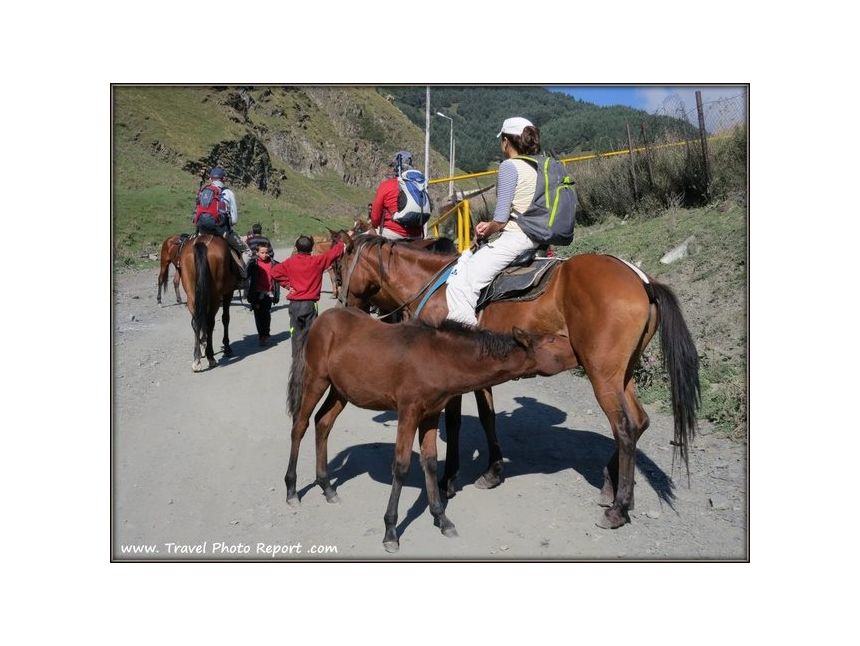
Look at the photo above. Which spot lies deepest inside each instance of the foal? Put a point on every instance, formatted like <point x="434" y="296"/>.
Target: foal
<point x="411" y="368"/>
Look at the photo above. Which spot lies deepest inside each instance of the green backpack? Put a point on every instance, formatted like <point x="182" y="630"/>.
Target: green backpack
<point x="551" y="215"/>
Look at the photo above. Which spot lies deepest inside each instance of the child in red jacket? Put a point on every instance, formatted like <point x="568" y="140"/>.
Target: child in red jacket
<point x="302" y="274"/>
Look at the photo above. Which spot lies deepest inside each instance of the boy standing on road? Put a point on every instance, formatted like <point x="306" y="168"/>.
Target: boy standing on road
<point x="261" y="293"/>
<point x="302" y="274"/>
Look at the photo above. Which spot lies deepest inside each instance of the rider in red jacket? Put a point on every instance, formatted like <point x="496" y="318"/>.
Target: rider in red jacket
<point x="385" y="205"/>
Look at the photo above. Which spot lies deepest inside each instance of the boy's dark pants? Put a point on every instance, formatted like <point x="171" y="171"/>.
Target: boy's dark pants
<point x="302" y="314"/>
<point x="263" y="315"/>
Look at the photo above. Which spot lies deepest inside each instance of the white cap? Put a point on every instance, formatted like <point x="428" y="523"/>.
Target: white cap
<point x="514" y="126"/>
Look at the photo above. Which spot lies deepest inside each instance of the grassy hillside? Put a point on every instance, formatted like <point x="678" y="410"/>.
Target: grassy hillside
<point x="299" y="159"/>
<point x="711" y="285"/>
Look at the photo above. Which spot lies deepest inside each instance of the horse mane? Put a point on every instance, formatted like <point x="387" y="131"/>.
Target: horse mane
<point x="490" y="344"/>
<point x="377" y="241"/>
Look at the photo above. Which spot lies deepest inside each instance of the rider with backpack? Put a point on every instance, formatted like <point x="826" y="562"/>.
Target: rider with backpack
<point x="535" y="206"/>
<point x="216" y="213"/>
<point x="401" y="206"/>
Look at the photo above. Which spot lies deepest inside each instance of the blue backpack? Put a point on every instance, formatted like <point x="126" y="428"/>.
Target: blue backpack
<point x="413" y="202"/>
<point x="552" y="213"/>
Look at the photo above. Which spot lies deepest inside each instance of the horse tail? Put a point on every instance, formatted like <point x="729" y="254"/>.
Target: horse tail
<point x="201" y="288"/>
<point x="681" y="362"/>
<point x="297" y="377"/>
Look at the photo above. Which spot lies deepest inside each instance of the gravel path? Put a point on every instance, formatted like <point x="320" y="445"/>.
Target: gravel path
<point x="199" y="459"/>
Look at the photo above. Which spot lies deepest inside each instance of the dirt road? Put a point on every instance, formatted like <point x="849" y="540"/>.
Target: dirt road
<point x="199" y="461"/>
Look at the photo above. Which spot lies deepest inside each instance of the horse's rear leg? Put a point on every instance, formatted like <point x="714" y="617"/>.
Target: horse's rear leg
<point x="210" y="328"/>
<point x="176" y="280"/>
<point x="613" y="402"/>
<point x="312" y="391"/>
<point x="427" y="439"/>
<point x="225" y="322"/>
<point x="610" y="472"/>
<point x="492" y="477"/>
<point x="162" y="280"/>
<point x="324" y="420"/>
<point x="199" y="339"/>
<point x="406" y="427"/>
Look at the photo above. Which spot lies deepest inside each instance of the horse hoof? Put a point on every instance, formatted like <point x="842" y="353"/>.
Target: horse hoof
<point x="332" y="498"/>
<point x="489" y="481"/>
<point x="228" y="352"/>
<point x="392" y="547"/>
<point x="450" y="532"/>
<point x="447" y="489"/>
<point x="197" y="366"/>
<point x="212" y="363"/>
<point x="612" y="519"/>
<point x="294" y="502"/>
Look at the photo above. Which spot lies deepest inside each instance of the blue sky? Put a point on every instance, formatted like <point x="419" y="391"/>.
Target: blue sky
<point x="648" y="98"/>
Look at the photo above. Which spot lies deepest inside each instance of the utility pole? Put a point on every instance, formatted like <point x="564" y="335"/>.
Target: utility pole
<point x="427" y="143"/>
<point x="704" y="137"/>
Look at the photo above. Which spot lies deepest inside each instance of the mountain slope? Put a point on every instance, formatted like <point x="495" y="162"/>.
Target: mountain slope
<point x="300" y="159"/>
<point x="567" y="125"/>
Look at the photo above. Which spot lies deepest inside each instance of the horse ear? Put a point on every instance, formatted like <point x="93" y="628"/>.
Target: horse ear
<point x="522" y="337"/>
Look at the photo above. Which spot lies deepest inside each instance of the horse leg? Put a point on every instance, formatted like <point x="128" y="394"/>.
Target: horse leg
<point x="324" y="420"/>
<point x="158" y="283"/>
<point x="427" y="439"/>
<point x="312" y="391"/>
<point x="225" y="321"/>
<point x="610" y="472"/>
<point x="452" y="449"/>
<point x="176" y="279"/>
<point x="197" y="363"/>
<point x="210" y="328"/>
<point x="613" y="402"/>
<point x="406" y="427"/>
<point x="492" y="477"/>
<point x="331" y="276"/>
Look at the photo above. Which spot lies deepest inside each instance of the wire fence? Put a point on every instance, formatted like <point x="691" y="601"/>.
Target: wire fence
<point x="720" y="115"/>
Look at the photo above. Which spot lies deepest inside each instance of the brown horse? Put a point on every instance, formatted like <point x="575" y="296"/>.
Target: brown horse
<point x="322" y="244"/>
<point x="411" y="368"/>
<point x="169" y="256"/>
<point x="609" y="315"/>
<point x="209" y="277"/>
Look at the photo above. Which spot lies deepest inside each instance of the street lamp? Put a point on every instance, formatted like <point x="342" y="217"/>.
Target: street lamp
<point x="450" y="155"/>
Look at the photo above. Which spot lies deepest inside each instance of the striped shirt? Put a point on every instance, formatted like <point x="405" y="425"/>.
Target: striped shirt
<point x="515" y="189"/>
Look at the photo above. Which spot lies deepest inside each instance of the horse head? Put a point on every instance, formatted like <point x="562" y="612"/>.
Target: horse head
<point x="551" y="353"/>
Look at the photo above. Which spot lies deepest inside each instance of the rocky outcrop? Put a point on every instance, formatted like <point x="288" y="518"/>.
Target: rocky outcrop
<point x="246" y="161"/>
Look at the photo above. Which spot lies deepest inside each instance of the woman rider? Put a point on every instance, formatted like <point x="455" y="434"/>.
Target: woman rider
<point x="515" y="190"/>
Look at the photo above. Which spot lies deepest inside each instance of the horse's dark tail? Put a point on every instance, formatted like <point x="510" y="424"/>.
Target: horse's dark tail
<point x="297" y="377"/>
<point x="201" y="290"/>
<point x="681" y="361"/>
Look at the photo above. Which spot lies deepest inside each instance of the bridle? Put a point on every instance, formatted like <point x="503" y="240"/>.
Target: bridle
<point x="359" y="247"/>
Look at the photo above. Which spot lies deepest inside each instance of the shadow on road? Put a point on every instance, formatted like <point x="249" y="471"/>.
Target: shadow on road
<point x="532" y="441"/>
<point x="249" y="345"/>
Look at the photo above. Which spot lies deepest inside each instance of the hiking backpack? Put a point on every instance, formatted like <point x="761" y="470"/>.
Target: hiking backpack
<point x="413" y="203"/>
<point x="551" y="215"/>
<point x="210" y="201"/>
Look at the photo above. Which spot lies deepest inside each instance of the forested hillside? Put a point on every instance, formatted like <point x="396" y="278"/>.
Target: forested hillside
<point x="567" y="125"/>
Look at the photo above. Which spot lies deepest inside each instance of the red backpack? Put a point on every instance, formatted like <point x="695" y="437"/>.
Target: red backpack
<point x="211" y="202"/>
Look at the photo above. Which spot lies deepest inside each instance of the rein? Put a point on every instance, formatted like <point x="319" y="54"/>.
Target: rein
<point x="344" y="292"/>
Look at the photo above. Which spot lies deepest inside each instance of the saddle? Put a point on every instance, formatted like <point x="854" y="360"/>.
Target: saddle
<point x="524" y="280"/>
<point x="237" y="258"/>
